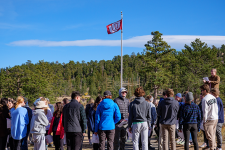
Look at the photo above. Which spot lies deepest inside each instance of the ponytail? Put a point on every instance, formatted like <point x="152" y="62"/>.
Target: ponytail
<point x="19" y="101"/>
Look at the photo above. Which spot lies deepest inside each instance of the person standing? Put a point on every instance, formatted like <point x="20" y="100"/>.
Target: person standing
<point x="107" y="115"/>
<point x="190" y="119"/>
<point x="4" y="114"/>
<point x="121" y="132"/>
<point x="214" y="80"/>
<point x="87" y="110"/>
<point x="139" y="119"/>
<point x="149" y="99"/>
<point x="215" y="92"/>
<point x="206" y="142"/>
<point x="167" y="113"/>
<point x="19" y="122"/>
<point x="24" y="145"/>
<point x="57" y="128"/>
<point x="38" y="125"/>
<point x="74" y="122"/>
<point x="210" y="115"/>
<point x="91" y="119"/>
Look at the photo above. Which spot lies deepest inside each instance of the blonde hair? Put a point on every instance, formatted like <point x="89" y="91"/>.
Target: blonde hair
<point x="91" y="101"/>
<point x="46" y="108"/>
<point x="19" y="100"/>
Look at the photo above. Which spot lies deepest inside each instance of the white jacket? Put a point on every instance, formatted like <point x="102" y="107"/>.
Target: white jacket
<point x="209" y="108"/>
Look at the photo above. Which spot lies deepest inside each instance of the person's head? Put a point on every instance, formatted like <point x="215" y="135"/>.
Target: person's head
<point x="201" y="97"/>
<point x="107" y="94"/>
<point x="11" y="103"/>
<point x="48" y="101"/>
<point x="189" y="97"/>
<point x="75" y="95"/>
<point x="123" y="92"/>
<point x="139" y="92"/>
<point x="215" y="92"/>
<point x="164" y="94"/>
<point x="40" y="105"/>
<point x="91" y="101"/>
<point x="45" y="100"/>
<point x="4" y="101"/>
<point x="213" y="72"/>
<point x="169" y="93"/>
<point x="205" y="89"/>
<point x="26" y="101"/>
<point x="97" y="102"/>
<point x="183" y="95"/>
<point x="46" y="104"/>
<point x="58" y="109"/>
<point x="178" y="97"/>
<point x="65" y="101"/>
<point x="149" y="98"/>
<point x="19" y="101"/>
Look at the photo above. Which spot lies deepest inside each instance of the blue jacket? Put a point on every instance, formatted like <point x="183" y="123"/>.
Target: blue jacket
<point x="167" y="111"/>
<point x="153" y="113"/>
<point x="19" y="122"/>
<point x="107" y="115"/>
<point x="220" y="110"/>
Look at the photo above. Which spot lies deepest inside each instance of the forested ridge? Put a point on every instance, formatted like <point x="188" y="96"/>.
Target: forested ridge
<point x="158" y="67"/>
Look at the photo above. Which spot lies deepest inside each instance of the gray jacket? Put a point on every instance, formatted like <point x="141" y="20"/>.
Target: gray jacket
<point x="38" y="122"/>
<point x="139" y="111"/>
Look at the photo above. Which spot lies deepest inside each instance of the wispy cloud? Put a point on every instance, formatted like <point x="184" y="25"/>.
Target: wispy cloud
<point x="12" y="26"/>
<point x="176" y="41"/>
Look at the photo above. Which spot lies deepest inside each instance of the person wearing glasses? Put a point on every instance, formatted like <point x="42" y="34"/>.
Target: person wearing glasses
<point x="121" y="133"/>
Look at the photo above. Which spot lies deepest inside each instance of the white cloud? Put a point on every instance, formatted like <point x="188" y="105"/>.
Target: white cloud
<point x="176" y="41"/>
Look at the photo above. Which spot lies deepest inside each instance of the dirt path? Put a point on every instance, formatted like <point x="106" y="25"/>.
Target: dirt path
<point x="129" y="145"/>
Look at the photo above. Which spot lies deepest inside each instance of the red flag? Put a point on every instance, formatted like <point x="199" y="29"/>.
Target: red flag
<point x="114" y="27"/>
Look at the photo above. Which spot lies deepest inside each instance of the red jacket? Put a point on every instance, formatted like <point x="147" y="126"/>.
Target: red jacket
<point x="60" y="128"/>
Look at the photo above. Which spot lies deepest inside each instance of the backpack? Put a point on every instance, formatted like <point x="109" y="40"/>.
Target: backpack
<point x="91" y="119"/>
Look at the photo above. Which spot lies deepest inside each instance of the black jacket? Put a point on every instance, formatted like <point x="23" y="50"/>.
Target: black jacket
<point x="4" y="113"/>
<point x="74" y="117"/>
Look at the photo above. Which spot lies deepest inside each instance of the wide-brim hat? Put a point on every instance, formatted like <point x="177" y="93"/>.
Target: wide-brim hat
<point x="40" y="104"/>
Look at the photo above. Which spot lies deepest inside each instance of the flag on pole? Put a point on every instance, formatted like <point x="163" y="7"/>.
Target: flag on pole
<point x="114" y="27"/>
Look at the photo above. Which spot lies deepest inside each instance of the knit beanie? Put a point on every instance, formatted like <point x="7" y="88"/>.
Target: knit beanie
<point x="189" y="97"/>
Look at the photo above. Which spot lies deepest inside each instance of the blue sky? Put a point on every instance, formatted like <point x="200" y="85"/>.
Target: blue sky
<point x="64" y="30"/>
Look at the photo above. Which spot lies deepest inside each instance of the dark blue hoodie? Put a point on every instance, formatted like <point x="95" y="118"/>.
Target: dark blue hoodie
<point x="167" y="111"/>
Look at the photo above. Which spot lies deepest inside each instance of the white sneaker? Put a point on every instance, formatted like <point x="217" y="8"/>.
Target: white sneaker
<point x="203" y="145"/>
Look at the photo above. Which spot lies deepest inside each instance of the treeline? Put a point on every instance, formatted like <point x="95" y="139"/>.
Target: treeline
<point x="158" y="67"/>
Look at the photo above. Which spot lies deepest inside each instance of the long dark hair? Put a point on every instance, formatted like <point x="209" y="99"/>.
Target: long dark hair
<point x="97" y="100"/>
<point x="59" y="109"/>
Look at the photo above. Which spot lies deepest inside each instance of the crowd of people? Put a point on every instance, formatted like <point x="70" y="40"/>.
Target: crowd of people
<point x="111" y="120"/>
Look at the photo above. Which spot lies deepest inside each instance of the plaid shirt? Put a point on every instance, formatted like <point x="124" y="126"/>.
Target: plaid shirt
<point x="189" y="114"/>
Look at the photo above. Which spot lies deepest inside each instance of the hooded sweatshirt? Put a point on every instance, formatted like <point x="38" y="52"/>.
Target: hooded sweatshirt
<point x="107" y="115"/>
<point x="139" y="111"/>
<point x="123" y="104"/>
<point x="167" y="111"/>
<point x="38" y="122"/>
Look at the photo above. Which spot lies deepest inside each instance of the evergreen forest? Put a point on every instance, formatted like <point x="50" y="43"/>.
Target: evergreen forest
<point x="157" y="68"/>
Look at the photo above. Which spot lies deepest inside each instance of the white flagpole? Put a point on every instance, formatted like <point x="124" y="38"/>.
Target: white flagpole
<point x="121" y="80"/>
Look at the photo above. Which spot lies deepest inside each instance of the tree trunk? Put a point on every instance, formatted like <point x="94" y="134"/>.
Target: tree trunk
<point x="155" y="93"/>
